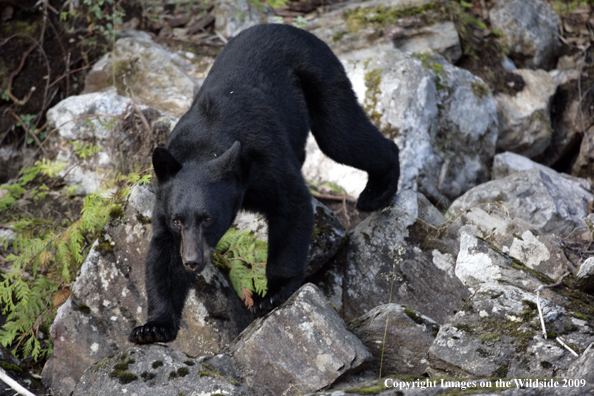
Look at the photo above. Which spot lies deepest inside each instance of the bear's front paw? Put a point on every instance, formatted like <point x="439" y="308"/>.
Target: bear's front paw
<point x="153" y="332"/>
<point x="263" y="305"/>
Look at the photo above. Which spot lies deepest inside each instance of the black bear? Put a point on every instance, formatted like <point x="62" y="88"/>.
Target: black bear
<point x="242" y="145"/>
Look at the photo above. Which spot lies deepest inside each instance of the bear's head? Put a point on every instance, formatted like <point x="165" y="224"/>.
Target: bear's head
<point x="199" y="201"/>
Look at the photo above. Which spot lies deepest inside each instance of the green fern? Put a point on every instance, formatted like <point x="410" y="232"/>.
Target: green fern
<point x="45" y="259"/>
<point x="244" y="257"/>
<point x="85" y="150"/>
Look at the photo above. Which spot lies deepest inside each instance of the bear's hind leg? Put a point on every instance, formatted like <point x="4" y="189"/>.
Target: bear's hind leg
<point x="344" y="133"/>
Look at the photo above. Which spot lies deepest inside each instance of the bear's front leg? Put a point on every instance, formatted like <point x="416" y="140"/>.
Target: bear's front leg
<point x="289" y="236"/>
<point x="167" y="285"/>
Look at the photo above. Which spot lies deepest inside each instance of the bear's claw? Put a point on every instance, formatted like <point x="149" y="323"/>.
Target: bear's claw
<point x="151" y="333"/>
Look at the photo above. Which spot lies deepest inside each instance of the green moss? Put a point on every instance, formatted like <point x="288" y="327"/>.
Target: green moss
<point x="578" y="315"/>
<point x="413" y="315"/>
<point x="368" y="390"/>
<point x="116" y="212"/>
<point x="465" y="327"/>
<point x="11" y="367"/>
<point x="373" y="80"/>
<point x="209" y="371"/>
<point x="124" y="377"/>
<point x="157" y="363"/>
<point x="480" y="89"/>
<point x="123" y="356"/>
<point x="529" y="310"/>
<point x="189" y="362"/>
<point x="121" y="366"/>
<point x="382" y="16"/>
<point x="172" y="374"/>
<point x="338" y="36"/>
<point x="183" y="371"/>
<point x="500" y="372"/>
<point x="146" y="376"/>
<point x="428" y="61"/>
<point x="143" y="219"/>
<point x="519" y="337"/>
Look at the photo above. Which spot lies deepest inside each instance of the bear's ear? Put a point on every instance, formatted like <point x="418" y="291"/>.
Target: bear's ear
<point x="164" y="164"/>
<point x="229" y="164"/>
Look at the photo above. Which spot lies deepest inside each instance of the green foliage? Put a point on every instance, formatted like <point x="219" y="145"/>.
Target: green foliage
<point x="85" y="150"/>
<point x="5" y="96"/>
<point x="46" y="256"/>
<point x="106" y="16"/>
<point x="244" y="257"/>
<point x="567" y="7"/>
<point x="17" y="190"/>
<point x="29" y="125"/>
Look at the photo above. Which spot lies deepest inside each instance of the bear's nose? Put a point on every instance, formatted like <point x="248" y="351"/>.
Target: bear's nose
<point x="193" y="264"/>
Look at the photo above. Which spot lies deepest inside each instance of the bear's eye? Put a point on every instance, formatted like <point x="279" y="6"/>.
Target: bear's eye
<point x="177" y="222"/>
<point x="207" y="219"/>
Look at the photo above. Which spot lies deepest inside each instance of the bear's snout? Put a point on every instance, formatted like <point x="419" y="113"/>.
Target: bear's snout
<point x="192" y="253"/>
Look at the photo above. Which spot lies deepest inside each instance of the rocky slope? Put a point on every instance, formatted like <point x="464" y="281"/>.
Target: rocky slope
<point x="479" y="269"/>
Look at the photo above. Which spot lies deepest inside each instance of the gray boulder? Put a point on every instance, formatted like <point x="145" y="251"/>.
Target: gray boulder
<point x="155" y="76"/>
<point x="155" y="370"/>
<point x="234" y="16"/>
<point x="398" y="338"/>
<point x="352" y="26"/>
<point x="525" y="117"/>
<point x="122" y="146"/>
<point x="300" y="347"/>
<point x="498" y="334"/>
<point x="515" y="237"/>
<point x="583" y="368"/>
<point x="531" y="30"/>
<point x="396" y="254"/>
<point x="548" y="201"/>
<point x="585" y="276"/>
<point x="109" y="299"/>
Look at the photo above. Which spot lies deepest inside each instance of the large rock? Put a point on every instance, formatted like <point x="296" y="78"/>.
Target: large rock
<point x="515" y="237"/>
<point x="531" y="30"/>
<point x="583" y="368"/>
<point x="154" y="76"/>
<point x="548" y="201"/>
<point x="498" y="334"/>
<point x="585" y="276"/>
<point x="155" y="370"/>
<point x="396" y="254"/>
<point x="234" y="16"/>
<point x="84" y="120"/>
<point x="109" y="299"/>
<point x="402" y="24"/>
<point x="398" y="337"/>
<point x="524" y="117"/>
<point x="300" y="347"/>
<point x="442" y="118"/>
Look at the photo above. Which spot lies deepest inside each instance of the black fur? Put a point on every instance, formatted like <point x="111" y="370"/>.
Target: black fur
<point x="242" y="145"/>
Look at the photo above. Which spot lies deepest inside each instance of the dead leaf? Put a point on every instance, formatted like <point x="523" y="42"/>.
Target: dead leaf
<point x="247" y="297"/>
<point x="60" y="297"/>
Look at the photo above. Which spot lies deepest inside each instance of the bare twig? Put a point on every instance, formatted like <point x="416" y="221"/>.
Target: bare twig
<point x="560" y="341"/>
<point x="13" y="384"/>
<point x="142" y="118"/>
<point x="334" y="197"/>
<point x="544" y="329"/>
